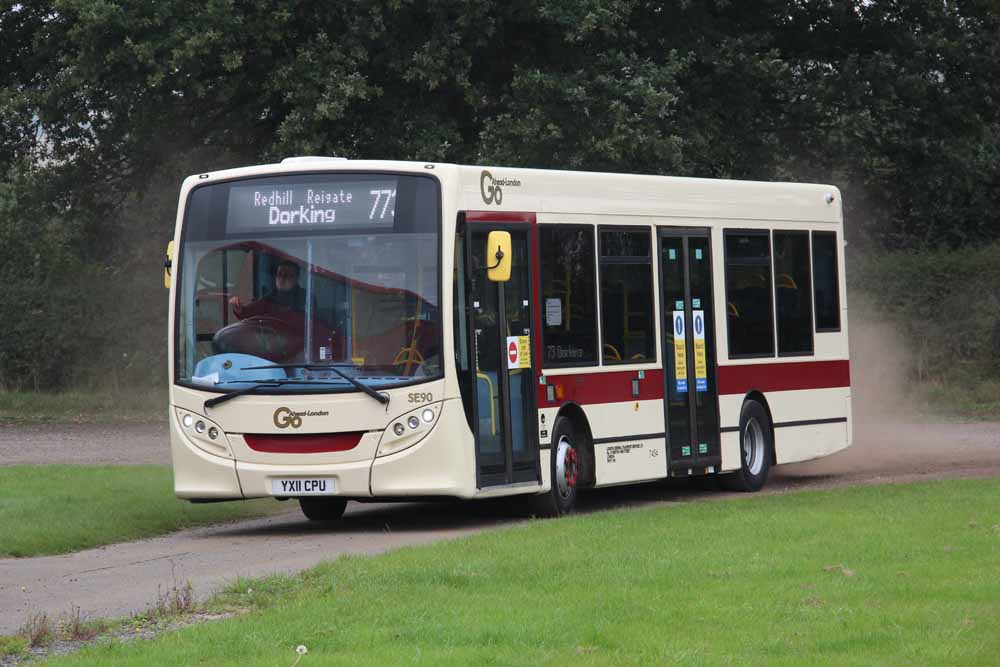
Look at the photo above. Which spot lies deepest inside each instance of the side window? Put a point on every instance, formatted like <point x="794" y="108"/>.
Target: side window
<point x="748" y="294"/>
<point x="827" y="281"/>
<point x="627" y="295"/>
<point x="569" y="295"/>
<point x="793" y="292"/>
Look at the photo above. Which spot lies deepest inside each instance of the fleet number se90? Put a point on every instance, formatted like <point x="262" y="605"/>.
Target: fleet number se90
<point x="420" y="397"/>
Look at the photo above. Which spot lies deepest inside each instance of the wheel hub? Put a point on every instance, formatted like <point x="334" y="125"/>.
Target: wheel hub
<point x="567" y="467"/>
<point x="753" y="446"/>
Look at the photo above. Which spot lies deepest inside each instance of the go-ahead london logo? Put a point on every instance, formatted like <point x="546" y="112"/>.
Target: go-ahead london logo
<point x="492" y="188"/>
<point x="285" y="417"/>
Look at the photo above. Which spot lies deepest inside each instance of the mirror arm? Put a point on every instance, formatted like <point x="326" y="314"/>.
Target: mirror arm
<point x="498" y="257"/>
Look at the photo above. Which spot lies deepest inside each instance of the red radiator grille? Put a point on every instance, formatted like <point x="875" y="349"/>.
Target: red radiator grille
<point x="303" y="444"/>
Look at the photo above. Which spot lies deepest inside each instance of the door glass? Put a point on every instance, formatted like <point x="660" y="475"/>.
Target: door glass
<point x="703" y="345"/>
<point x="675" y="329"/>
<point x="486" y="352"/>
<point x="517" y="311"/>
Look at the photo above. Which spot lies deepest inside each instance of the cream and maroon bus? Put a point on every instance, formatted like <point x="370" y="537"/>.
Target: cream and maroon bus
<point x="370" y="330"/>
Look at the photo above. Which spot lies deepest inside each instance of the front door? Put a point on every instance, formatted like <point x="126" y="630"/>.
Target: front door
<point x="692" y="408"/>
<point x="501" y="345"/>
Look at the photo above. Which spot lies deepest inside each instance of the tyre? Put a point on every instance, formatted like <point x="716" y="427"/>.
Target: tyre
<point x="323" y="509"/>
<point x="564" y="473"/>
<point x="756" y="445"/>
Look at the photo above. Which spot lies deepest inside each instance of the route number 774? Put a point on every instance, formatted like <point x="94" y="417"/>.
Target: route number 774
<point x="384" y="196"/>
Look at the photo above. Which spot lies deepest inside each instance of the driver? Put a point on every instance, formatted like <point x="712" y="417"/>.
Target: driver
<point x="287" y="295"/>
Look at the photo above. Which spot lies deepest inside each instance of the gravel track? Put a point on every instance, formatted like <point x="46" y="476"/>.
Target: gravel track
<point x="120" y="579"/>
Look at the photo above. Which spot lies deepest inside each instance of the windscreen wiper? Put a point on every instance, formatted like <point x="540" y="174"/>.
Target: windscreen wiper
<point x="381" y="398"/>
<point x="212" y="402"/>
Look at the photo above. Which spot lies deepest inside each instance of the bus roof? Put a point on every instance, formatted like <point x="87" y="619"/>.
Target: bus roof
<point x="581" y="193"/>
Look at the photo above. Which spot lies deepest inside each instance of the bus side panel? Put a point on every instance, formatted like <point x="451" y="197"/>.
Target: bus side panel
<point x="635" y="446"/>
<point x="827" y="427"/>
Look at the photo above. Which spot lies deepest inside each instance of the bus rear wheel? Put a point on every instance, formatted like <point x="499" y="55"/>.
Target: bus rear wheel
<point x="756" y="445"/>
<point x="323" y="509"/>
<point x="565" y="473"/>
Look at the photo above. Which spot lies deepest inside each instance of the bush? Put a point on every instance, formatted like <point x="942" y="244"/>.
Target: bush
<point x="945" y="302"/>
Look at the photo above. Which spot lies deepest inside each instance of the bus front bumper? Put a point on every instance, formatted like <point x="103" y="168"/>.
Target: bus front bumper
<point x="440" y="464"/>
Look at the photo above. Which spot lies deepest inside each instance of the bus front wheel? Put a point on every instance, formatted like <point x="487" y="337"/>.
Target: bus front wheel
<point x="565" y="473"/>
<point x="756" y="445"/>
<point x="323" y="509"/>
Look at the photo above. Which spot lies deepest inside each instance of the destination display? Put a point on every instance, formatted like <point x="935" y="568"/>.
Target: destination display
<point x="288" y="207"/>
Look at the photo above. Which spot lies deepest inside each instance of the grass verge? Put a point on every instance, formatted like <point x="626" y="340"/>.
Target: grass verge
<point x="899" y="574"/>
<point x="53" y="509"/>
<point x="88" y="407"/>
<point x="12" y="646"/>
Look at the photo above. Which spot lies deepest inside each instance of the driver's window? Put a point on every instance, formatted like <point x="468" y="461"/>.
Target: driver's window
<point x="221" y="274"/>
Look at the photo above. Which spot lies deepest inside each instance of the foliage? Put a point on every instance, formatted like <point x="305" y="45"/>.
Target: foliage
<point x="945" y="302"/>
<point x="105" y="105"/>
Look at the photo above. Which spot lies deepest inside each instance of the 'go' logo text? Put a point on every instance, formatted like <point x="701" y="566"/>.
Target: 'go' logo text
<point x="284" y="417"/>
<point x="490" y="189"/>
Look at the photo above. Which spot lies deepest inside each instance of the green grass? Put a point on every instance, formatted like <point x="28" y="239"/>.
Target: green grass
<point x="54" y="509"/>
<point x="12" y="646"/>
<point x="107" y="406"/>
<point x="893" y="575"/>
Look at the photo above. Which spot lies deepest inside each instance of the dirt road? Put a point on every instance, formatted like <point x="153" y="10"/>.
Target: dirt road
<point x="121" y="579"/>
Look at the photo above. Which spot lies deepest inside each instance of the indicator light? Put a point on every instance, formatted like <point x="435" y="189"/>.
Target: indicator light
<point x="213" y="433"/>
<point x="200" y="427"/>
<point x="427" y="415"/>
<point x="413" y="421"/>
<point x="398" y="429"/>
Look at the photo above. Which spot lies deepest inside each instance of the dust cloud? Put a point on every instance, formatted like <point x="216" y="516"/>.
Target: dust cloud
<point x="894" y="440"/>
<point x="880" y="360"/>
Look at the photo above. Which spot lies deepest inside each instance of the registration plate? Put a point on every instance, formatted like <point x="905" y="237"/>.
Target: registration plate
<point x="322" y="486"/>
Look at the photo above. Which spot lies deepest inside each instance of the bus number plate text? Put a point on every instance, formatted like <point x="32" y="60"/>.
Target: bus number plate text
<point x="303" y="487"/>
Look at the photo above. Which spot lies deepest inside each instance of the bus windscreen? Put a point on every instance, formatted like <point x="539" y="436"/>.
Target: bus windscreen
<point x="282" y="275"/>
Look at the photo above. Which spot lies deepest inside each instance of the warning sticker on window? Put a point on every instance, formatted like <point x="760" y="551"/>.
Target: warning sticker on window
<point x="700" y="364"/>
<point x="518" y="352"/>
<point x="680" y="353"/>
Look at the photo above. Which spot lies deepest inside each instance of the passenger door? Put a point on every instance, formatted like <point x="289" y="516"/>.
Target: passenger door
<point x="502" y="344"/>
<point x="691" y="394"/>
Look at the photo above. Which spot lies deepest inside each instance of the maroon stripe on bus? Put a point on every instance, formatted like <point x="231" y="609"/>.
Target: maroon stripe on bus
<point x="591" y="388"/>
<point x="499" y="216"/>
<point x="303" y="444"/>
<point x="616" y="387"/>
<point x="787" y="376"/>
<point x="536" y="297"/>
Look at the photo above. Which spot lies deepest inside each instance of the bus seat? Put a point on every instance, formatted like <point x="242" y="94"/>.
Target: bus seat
<point x="783" y="280"/>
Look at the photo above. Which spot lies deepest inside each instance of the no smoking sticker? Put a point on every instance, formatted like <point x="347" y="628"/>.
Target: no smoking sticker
<point x="518" y="352"/>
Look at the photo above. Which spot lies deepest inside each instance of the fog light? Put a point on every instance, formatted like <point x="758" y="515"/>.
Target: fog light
<point x="187" y="421"/>
<point x="200" y="427"/>
<point x="427" y="415"/>
<point x="213" y="433"/>
<point x="398" y="429"/>
<point x="413" y="421"/>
